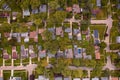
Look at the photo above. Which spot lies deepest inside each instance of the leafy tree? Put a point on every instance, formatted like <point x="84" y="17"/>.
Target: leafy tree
<point x="53" y="5"/>
<point x="102" y="45"/>
<point x="77" y="73"/>
<point x="25" y="4"/>
<point x="35" y="3"/>
<point x="48" y="35"/>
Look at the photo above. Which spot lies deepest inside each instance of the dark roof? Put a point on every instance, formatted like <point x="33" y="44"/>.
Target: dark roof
<point x="118" y="6"/>
<point x="43" y="8"/>
<point x="96" y="42"/>
<point x="6" y="56"/>
<point x="14" y="55"/>
<point x="34" y="11"/>
<point x="32" y="77"/>
<point x="96" y="33"/>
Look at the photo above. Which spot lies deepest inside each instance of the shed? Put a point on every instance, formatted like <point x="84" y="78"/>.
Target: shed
<point x="118" y="39"/>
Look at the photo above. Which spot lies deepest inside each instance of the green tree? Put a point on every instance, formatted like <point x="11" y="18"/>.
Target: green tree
<point x="53" y="5"/>
<point x="35" y="3"/>
<point x="102" y="45"/>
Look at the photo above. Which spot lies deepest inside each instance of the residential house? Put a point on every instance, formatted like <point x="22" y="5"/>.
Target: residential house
<point x="68" y="30"/>
<point x="118" y="6"/>
<point x="85" y="78"/>
<point x="76" y="79"/>
<point x="76" y="31"/>
<point x="31" y="51"/>
<point x="96" y="37"/>
<point x="6" y="34"/>
<point x="43" y="8"/>
<point x="98" y="3"/>
<point x="67" y="78"/>
<point x="69" y="53"/>
<point x="50" y="55"/>
<point x="41" y="77"/>
<point x="15" y="78"/>
<point x="14" y="15"/>
<point x="34" y="11"/>
<point x="59" y="54"/>
<point x="69" y="9"/>
<point x="26" y="13"/>
<point x="1" y="78"/>
<point x="76" y="8"/>
<point x="113" y="78"/>
<point x="34" y="35"/>
<point x="104" y="78"/>
<point x="14" y="53"/>
<point x="77" y="52"/>
<point x="6" y="7"/>
<point x="118" y="39"/>
<point x="97" y="52"/>
<point x="96" y="78"/>
<point x="42" y="53"/>
<point x="59" y="31"/>
<point x="4" y="14"/>
<point x="40" y="31"/>
<point x="58" y="78"/>
<point x="5" y="54"/>
<point x="79" y="36"/>
<point x="24" y="52"/>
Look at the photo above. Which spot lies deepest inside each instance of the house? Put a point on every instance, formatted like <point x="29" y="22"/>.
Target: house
<point x="25" y="34"/>
<point x="79" y="36"/>
<point x="96" y="78"/>
<point x="69" y="9"/>
<point x="14" y="15"/>
<point x="76" y="8"/>
<point x="26" y="39"/>
<point x="76" y="79"/>
<point x="77" y="52"/>
<point x="42" y="53"/>
<point x="4" y="14"/>
<point x="68" y="30"/>
<point x="26" y="12"/>
<point x="24" y="52"/>
<point x="41" y="77"/>
<point x="118" y="6"/>
<point x="43" y="8"/>
<point x="33" y="34"/>
<point x="69" y="53"/>
<point x="6" y="7"/>
<point x="118" y="39"/>
<point x="14" y="53"/>
<point x="59" y="54"/>
<point x="67" y="78"/>
<point x="6" y="34"/>
<point x="1" y="78"/>
<point x="85" y="78"/>
<point x="5" y="54"/>
<point x="58" y="78"/>
<point x="15" y="78"/>
<point x="50" y="55"/>
<point x="31" y="51"/>
<point x="97" y="52"/>
<point x="114" y="78"/>
<point x="59" y="31"/>
<point x="76" y="31"/>
<point x="34" y="11"/>
<point x="104" y="78"/>
<point x="98" y="3"/>
<point x="96" y="37"/>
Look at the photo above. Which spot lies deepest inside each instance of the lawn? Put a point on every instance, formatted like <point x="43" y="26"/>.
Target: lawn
<point x="17" y="62"/>
<point x="8" y="62"/>
<point x="6" y="74"/>
<point x="25" y="61"/>
<point x="1" y="61"/>
<point x="34" y="60"/>
<point x="21" y="73"/>
<point x="114" y="32"/>
<point x="3" y="20"/>
<point x="101" y="29"/>
<point x="67" y="25"/>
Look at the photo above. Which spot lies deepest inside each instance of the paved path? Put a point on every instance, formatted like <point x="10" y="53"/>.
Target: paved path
<point x="109" y="64"/>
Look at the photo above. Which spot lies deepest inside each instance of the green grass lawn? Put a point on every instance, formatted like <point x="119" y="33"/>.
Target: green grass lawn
<point x="6" y="74"/>
<point x="34" y="60"/>
<point x="8" y="62"/>
<point x="25" y="61"/>
<point x="66" y="24"/>
<point x="1" y="61"/>
<point x="101" y="29"/>
<point x="3" y="20"/>
<point x="114" y="32"/>
<point x="21" y="73"/>
<point x="17" y="62"/>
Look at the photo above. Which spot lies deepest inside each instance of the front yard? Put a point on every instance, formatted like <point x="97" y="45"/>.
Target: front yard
<point x="101" y="29"/>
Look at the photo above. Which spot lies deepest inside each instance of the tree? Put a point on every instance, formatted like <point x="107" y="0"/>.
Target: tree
<point x="48" y="35"/>
<point x="60" y="16"/>
<point x="53" y="5"/>
<point x="25" y="4"/>
<point x="102" y="45"/>
<point x="35" y="3"/>
<point x="77" y="73"/>
<point x="37" y="22"/>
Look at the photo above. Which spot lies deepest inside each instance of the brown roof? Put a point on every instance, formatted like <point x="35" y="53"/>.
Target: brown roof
<point x="69" y="9"/>
<point x="7" y="34"/>
<point x="41" y="31"/>
<point x="33" y="34"/>
<point x="97" y="55"/>
<point x="14" y="55"/>
<point x="114" y="78"/>
<point x="59" y="31"/>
